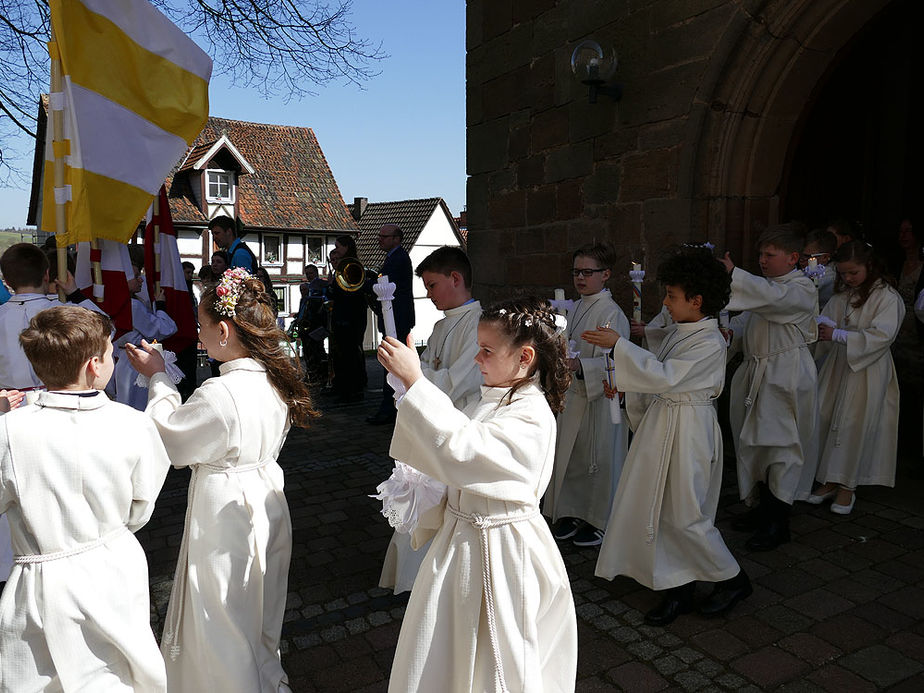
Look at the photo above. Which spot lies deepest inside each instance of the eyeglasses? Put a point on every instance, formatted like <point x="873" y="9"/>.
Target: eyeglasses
<point x="586" y="272"/>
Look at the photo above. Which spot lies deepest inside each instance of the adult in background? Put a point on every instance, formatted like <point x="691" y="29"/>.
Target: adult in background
<point x="311" y="322"/>
<point x="347" y="325"/>
<point x="186" y="359"/>
<point x="227" y="236"/>
<point x="398" y="267"/>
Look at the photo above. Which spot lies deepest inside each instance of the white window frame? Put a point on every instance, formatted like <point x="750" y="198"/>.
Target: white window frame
<point x="279" y="245"/>
<point x="232" y="187"/>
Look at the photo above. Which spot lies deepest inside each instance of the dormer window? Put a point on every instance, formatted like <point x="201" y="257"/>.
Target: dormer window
<point x="220" y="186"/>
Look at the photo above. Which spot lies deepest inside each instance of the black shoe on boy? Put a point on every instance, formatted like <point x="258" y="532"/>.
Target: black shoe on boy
<point x="726" y="594"/>
<point x="677" y="600"/>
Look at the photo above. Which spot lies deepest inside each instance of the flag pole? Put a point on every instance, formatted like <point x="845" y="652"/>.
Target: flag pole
<point x="155" y="217"/>
<point x="97" y="267"/>
<point x="60" y="149"/>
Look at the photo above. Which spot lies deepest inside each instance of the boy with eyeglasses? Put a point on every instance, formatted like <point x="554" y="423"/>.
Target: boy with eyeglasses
<point x="590" y="450"/>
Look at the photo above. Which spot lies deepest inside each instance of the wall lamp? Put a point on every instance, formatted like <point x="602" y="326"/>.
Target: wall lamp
<point x="595" y="67"/>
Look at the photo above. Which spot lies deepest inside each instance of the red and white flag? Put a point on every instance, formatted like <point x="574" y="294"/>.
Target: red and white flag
<point x="117" y="270"/>
<point x="171" y="277"/>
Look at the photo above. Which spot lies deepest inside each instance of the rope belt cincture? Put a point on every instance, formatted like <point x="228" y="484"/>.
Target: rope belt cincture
<point x="28" y="559"/>
<point x="760" y="367"/>
<point x="483" y="523"/>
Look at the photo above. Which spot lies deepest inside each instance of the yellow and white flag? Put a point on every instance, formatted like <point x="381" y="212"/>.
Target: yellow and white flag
<point x="134" y="96"/>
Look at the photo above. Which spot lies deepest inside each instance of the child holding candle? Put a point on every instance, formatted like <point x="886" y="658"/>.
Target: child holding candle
<point x="820" y="245"/>
<point x="773" y="408"/>
<point x="590" y="448"/>
<point x="449" y="363"/>
<point x="662" y="526"/>
<point x="148" y="322"/>
<point x="224" y="620"/>
<point x="857" y="385"/>
<point x="491" y="609"/>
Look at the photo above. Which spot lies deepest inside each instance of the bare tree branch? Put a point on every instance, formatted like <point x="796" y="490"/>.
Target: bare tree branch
<point x="282" y="48"/>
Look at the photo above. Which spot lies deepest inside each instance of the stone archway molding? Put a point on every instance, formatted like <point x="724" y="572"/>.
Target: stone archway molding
<point x="754" y="94"/>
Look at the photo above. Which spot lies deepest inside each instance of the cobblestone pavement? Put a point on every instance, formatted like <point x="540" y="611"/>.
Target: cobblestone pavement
<point x="840" y="608"/>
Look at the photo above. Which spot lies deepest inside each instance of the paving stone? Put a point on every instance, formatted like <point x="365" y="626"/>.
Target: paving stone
<point x="909" y="601"/>
<point x="730" y="681"/>
<point x="909" y="644"/>
<point x="644" y="650"/>
<point x="882" y="665"/>
<point x="790" y="582"/>
<point x="720" y="644"/>
<point x="691" y="680"/>
<point x="668" y="665"/>
<point x="819" y="604"/>
<point x="708" y="667"/>
<point x="784" y="619"/>
<point x="809" y="647"/>
<point x="635" y="676"/>
<point x="753" y="632"/>
<point x="588" y="611"/>
<point x="848" y="632"/>
<point x="770" y="666"/>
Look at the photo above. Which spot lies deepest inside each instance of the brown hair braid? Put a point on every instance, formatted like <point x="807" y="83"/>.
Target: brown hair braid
<point x="256" y="326"/>
<point x="531" y="321"/>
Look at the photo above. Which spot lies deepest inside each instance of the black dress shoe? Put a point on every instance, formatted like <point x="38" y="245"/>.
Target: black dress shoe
<point x="678" y="600"/>
<point x="726" y="594"/>
<point x="380" y="420"/>
<point x="769" y="537"/>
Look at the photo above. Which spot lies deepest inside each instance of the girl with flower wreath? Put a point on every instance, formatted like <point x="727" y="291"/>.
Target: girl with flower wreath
<point x="491" y="608"/>
<point x="226" y="609"/>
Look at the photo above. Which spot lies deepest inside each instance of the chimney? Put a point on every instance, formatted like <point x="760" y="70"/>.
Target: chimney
<point x="359" y="207"/>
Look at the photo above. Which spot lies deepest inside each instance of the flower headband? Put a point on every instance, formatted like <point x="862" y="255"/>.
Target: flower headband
<point x="229" y="290"/>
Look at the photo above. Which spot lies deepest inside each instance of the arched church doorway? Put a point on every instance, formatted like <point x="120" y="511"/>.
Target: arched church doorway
<point x="857" y="152"/>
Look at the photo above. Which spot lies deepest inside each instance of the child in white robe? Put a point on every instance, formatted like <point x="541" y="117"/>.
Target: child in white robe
<point x="491" y="608"/>
<point x="773" y="409"/>
<point x="449" y="363"/>
<point x="224" y="620"/>
<point x="857" y="385"/>
<point x="590" y="450"/>
<point x="820" y="245"/>
<point x="663" y="531"/>
<point x="25" y="268"/>
<point x="78" y="475"/>
<point x="147" y="323"/>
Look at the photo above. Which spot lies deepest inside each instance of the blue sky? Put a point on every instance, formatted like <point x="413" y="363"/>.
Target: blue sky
<point x="401" y="137"/>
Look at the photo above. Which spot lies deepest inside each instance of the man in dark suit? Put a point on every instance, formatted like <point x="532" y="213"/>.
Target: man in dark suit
<point x="398" y="267"/>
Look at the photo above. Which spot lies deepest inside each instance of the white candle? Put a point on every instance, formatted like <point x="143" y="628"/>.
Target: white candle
<point x="385" y="290"/>
<point x="637" y="276"/>
<point x="559" y="294"/>
<point x="812" y="269"/>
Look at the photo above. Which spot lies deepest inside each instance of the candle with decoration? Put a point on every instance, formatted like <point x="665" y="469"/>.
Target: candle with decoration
<point x="637" y="275"/>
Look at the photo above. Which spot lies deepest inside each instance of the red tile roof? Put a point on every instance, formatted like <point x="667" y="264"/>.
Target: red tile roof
<point x="292" y="186"/>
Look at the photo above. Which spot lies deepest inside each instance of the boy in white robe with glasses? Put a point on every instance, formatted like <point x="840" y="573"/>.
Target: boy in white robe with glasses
<point x="590" y="449"/>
